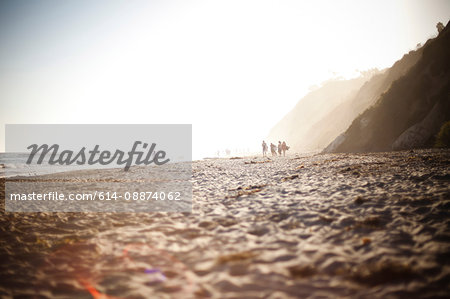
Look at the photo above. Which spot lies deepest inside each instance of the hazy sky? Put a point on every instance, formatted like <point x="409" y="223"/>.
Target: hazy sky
<point x="231" y="68"/>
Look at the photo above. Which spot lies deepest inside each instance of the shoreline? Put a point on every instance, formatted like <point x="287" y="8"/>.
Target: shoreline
<point x="253" y="156"/>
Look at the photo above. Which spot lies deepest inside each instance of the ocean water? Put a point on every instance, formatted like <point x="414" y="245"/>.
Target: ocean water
<point x="14" y="164"/>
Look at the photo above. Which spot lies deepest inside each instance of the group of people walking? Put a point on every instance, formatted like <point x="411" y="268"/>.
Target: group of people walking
<point x="281" y="148"/>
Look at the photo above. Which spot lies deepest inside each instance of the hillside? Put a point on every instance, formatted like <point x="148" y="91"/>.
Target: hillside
<point x="323" y="114"/>
<point x="341" y="117"/>
<point x="410" y="113"/>
<point x="312" y="108"/>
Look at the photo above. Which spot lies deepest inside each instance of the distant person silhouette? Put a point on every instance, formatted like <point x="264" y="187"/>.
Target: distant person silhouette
<point x="279" y="148"/>
<point x="284" y="148"/>
<point x="264" y="146"/>
<point x="273" y="149"/>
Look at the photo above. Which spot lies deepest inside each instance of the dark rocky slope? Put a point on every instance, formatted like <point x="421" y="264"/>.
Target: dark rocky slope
<point x="323" y="114"/>
<point x="410" y="113"/>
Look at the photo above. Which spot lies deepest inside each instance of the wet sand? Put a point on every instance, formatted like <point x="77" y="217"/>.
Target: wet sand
<point x="317" y="226"/>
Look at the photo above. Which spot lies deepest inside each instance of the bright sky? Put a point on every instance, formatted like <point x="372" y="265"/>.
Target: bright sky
<point x="231" y="68"/>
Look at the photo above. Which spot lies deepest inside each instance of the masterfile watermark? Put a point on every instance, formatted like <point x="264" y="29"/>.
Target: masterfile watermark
<point x="100" y="168"/>
<point x="68" y="157"/>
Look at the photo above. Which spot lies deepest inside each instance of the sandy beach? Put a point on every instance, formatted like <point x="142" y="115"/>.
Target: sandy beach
<point x="302" y="226"/>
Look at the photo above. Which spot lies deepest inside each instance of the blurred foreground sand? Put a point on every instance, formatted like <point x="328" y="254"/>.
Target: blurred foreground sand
<point x="335" y="225"/>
